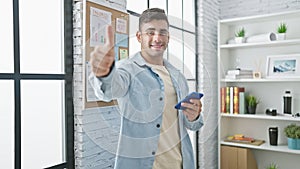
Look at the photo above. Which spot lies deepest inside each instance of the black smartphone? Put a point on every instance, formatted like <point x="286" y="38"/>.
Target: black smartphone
<point x="193" y="95"/>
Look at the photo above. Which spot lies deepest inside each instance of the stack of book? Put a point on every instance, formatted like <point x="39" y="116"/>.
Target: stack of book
<point x="232" y="100"/>
<point x="240" y="138"/>
<point x="239" y="74"/>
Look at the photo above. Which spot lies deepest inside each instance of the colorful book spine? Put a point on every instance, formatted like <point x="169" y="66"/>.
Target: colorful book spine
<point x="242" y="102"/>
<point x="231" y="99"/>
<point x="236" y="99"/>
<point x="227" y="100"/>
<point x="223" y="99"/>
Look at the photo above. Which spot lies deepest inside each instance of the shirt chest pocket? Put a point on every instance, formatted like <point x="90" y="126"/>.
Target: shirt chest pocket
<point x="145" y="96"/>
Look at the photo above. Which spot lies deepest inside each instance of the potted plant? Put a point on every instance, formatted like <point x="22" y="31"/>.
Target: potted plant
<point x="281" y="31"/>
<point x="297" y="134"/>
<point x="272" y="166"/>
<point x="240" y="35"/>
<point x="251" y="104"/>
<point x="292" y="132"/>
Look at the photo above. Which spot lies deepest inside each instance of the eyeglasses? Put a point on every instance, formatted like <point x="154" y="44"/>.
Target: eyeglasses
<point x="151" y="33"/>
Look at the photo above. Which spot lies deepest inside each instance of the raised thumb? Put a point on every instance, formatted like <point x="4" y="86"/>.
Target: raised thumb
<point x="110" y="41"/>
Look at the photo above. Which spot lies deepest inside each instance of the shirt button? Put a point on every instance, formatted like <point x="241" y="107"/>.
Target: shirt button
<point x="153" y="152"/>
<point x="160" y="99"/>
<point x="158" y="125"/>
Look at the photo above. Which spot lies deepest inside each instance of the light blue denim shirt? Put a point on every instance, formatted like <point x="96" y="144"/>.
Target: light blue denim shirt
<point x="140" y="95"/>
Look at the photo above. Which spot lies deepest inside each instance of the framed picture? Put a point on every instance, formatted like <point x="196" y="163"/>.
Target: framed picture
<point x="283" y="66"/>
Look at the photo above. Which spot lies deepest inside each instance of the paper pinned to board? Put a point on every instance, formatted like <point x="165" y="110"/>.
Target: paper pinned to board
<point x="92" y="94"/>
<point x="121" y="25"/>
<point x="99" y="19"/>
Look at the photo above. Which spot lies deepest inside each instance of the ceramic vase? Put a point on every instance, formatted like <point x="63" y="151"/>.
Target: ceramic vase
<point x="280" y="36"/>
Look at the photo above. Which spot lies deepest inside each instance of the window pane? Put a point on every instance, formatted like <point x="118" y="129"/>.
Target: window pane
<point x="175" y="49"/>
<point x="175" y="13"/>
<point x="42" y="123"/>
<point x="158" y="4"/>
<point x="134" y="45"/>
<point x="7" y="123"/>
<point x="192" y="85"/>
<point x="6" y="40"/>
<point x="189" y="55"/>
<point x="137" y="6"/>
<point x="41" y="36"/>
<point x="189" y="15"/>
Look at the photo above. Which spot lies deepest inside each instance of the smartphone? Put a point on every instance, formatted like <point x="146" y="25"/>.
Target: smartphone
<point x="193" y="95"/>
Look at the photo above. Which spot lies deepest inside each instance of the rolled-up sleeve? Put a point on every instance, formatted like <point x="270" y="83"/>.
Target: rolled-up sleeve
<point x="194" y="125"/>
<point x="110" y="87"/>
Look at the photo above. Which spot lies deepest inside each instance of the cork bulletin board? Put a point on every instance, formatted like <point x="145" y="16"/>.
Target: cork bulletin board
<point x="97" y="17"/>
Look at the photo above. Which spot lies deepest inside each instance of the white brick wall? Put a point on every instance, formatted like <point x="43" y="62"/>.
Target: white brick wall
<point x="96" y="130"/>
<point x="208" y="15"/>
<point x="240" y="8"/>
<point x="97" y="133"/>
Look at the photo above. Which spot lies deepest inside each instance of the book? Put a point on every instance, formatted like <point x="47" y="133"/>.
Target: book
<point x="227" y="100"/>
<point x="236" y="99"/>
<point x="245" y="76"/>
<point x="231" y="100"/>
<point x="239" y="72"/>
<point x="223" y="99"/>
<point x="242" y="139"/>
<point x="242" y="103"/>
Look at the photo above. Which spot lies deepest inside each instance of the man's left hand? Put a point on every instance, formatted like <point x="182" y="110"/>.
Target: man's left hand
<point x="192" y="110"/>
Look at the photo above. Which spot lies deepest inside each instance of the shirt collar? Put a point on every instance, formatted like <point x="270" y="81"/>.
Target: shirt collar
<point x="139" y="60"/>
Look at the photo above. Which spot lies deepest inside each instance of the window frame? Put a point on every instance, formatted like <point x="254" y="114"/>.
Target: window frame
<point x="67" y="77"/>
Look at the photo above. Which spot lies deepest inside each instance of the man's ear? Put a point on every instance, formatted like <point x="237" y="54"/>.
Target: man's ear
<point x="138" y="36"/>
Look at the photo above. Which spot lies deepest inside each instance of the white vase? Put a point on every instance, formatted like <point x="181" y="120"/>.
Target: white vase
<point x="280" y="36"/>
<point x="239" y="40"/>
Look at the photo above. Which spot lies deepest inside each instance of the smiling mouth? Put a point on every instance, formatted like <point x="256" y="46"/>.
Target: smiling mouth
<point x="157" y="46"/>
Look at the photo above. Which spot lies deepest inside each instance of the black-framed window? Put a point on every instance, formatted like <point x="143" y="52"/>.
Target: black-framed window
<point x="36" y="66"/>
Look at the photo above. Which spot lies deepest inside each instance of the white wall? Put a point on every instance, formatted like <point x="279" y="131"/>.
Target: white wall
<point x="240" y="8"/>
<point x="208" y="16"/>
<point x="95" y="141"/>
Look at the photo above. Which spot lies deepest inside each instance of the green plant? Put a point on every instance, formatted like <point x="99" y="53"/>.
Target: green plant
<point x="240" y="33"/>
<point x="292" y="131"/>
<point x="272" y="166"/>
<point x="251" y="100"/>
<point x="282" y="28"/>
<point x="297" y="133"/>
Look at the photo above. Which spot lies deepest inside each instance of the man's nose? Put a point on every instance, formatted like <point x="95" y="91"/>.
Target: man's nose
<point x="157" y="37"/>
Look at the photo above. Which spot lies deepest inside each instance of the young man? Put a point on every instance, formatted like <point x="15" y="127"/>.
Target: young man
<point x="153" y="133"/>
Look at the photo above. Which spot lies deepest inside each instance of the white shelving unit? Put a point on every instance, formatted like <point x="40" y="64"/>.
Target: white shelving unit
<point x="269" y="91"/>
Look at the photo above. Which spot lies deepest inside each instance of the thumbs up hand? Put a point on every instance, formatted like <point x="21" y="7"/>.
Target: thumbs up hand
<point x="103" y="56"/>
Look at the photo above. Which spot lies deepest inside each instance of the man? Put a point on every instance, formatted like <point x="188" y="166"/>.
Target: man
<point x="153" y="133"/>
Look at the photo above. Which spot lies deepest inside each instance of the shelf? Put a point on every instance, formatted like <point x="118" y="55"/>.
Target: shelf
<point x="261" y="18"/>
<point x="264" y="146"/>
<point x="263" y="80"/>
<point x="254" y="55"/>
<point x="261" y="44"/>
<point x="262" y="116"/>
